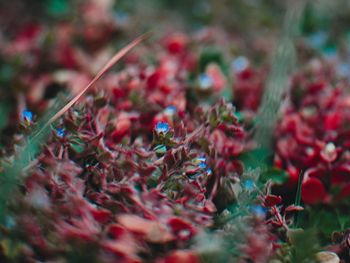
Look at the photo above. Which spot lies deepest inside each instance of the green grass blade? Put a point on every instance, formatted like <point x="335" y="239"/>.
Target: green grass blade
<point x="282" y="64"/>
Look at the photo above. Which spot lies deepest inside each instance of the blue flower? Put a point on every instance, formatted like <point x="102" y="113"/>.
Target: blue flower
<point x="60" y="132"/>
<point x="318" y="39"/>
<point x="162" y="127"/>
<point x="201" y="162"/>
<point x="249" y="184"/>
<point x="27" y="115"/>
<point x="202" y="165"/>
<point x="205" y="81"/>
<point x="170" y="110"/>
<point x="240" y="64"/>
<point x="209" y="171"/>
<point x="343" y="69"/>
<point x="121" y="17"/>
<point x="258" y="210"/>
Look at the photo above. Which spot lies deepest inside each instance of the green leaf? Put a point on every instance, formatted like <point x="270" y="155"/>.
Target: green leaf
<point x="276" y="175"/>
<point x="212" y="55"/>
<point x="58" y="7"/>
<point x="160" y="149"/>
<point x="304" y="245"/>
<point x="239" y="116"/>
<point x="5" y="109"/>
<point x="6" y="73"/>
<point x="257" y="158"/>
<point x="343" y="220"/>
<point x="327" y="220"/>
<point x="78" y="146"/>
<point x="227" y="94"/>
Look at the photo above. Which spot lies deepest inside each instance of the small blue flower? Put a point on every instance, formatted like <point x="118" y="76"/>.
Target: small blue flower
<point x="162" y="127"/>
<point x="60" y="132"/>
<point x="10" y="222"/>
<point x="343" y="70"/>
<point x="27" y="115"/>
<point x="170" y="110"/>
<point x="258" y="210"/>
<point x="201" y="162"/>
<point x="121" y="17"/>
<point x="249" y="184"/>
<point x="239" y="64"/>
<point x="318" y="39"/>
<point x="209" y="171"/>
<point x="205" y="81"/>
<point x="202" y="165"/>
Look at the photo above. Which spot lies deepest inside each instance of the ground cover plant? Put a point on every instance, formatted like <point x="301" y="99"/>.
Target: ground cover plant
<point x="195" y="131"/>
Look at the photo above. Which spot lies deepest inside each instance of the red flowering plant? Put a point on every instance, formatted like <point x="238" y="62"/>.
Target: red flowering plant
<point x="311" y="136"/>
<point x="247" y="234"/>
<point x="311" y="146"/>
<point x="135" y="171"/>
<point x="153" y="164"/>
<point x="155" y="192"/>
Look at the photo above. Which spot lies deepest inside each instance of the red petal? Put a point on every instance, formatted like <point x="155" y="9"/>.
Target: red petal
<point x="178" y="225"/>
<point x="312" y="191"/>
<point x="332" y="120"/>
<point x="214" y="71"/>
<point x="246" y="74"/>
<point x="176" y="43"/>
<point x="293" y="175"/>
<point x="340" y="174"/>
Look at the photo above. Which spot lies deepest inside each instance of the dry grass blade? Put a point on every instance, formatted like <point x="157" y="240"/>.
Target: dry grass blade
<point x="10" y="176"/>
<point x="110" y="63"/>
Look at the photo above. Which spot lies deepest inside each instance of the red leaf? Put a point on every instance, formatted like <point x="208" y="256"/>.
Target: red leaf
<point x="101" y="215"/>
<point x="181" y="257"/>
<point x="135" y="223"/>
<point x="294" y="208"/>
<point x="117" y="231"/>
<point x="151" y="230"/>
<point x="272" y="200"/>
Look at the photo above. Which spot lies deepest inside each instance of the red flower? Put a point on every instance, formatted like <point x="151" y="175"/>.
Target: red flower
<point x="312" y="191"/>
<point x="176" y="43"/>
<point x="248" y="88"/>
<point x="183" y="229"/>
<point x="272" y="200"/>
